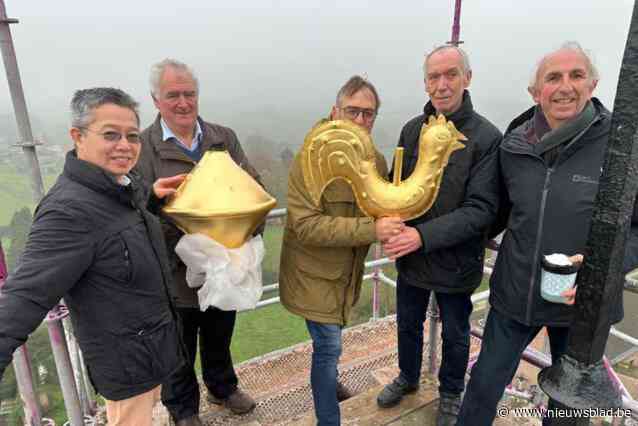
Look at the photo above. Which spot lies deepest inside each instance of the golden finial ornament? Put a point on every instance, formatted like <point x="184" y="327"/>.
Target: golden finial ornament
<point x="220" y="200"/>
<point x="341" y="149"/>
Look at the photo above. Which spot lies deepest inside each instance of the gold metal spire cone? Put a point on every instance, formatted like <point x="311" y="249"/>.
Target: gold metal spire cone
<point x="219" y="199"/>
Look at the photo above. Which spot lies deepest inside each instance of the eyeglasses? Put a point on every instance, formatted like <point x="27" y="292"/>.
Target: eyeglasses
<point x="113" y="136"/>
<point x="352" y="113"/>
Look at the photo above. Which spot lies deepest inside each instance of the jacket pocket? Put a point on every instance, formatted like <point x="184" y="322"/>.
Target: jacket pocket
<point x="315" y="284"/>
<point x="470" y="256"/>
<point x="150" y="355"/>
<point x="103" y="363"/>
<point x="316" y="269"/>
<point x="445" y="259"/>
<point x="113" y="261"/>
<point x="321" y="262"/>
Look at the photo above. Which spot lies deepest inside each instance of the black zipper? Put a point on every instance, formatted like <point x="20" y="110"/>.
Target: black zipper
<point x="539" y="239"/>
<point x="127" y="262"/>
<point x="541" y="217"/>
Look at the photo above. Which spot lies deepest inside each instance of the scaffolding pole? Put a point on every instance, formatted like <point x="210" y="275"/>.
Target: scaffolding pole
<point x="22" y="369"/>
<point x="456" y="26"/>
<point x="19" y="105"/>
<point x="28" y="145"/>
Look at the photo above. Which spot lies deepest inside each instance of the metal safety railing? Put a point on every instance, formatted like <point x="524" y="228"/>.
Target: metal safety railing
<point x="82" y="401"/>
<point x="530" y="355"/>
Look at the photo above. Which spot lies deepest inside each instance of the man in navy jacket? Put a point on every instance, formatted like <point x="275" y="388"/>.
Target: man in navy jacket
<point x="550" y="163"/>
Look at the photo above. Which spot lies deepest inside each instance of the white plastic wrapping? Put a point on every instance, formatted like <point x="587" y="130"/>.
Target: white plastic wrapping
<point x="230" y="279"/>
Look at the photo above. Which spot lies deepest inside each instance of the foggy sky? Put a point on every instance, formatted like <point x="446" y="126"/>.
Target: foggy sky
<point x="274" y="67"/>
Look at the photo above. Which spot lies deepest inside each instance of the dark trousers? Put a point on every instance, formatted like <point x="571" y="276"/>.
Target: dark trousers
<point x="455" y="310"/>
<point x="504" y="341"/>
<point x="180" y="394"/>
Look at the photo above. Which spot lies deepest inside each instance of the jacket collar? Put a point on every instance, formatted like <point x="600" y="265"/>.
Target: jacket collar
<point x="97" y="179"/>
<point x="529" y="114"/>
<point x="168" y="150"/>
<point x="547" y="139"/>
<point x="517" y="132"/>
<point x="458" y="117"/>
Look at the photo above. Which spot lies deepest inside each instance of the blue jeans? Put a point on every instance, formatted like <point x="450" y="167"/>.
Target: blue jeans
<point x="504" y="341"/>
<point x="455" y="310"/>
<point x="326" y="350"/>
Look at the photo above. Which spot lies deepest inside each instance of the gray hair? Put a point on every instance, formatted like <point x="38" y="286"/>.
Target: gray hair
<point x="354" y="85"/>
<point x="575" y="47"/>
<point x="465" y="59"/>
<point x="157" y="71"/>
<point x="86" y="101"/>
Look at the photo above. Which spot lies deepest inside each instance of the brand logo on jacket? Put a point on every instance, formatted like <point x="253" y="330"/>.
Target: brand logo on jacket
<point x="584" y="179"/>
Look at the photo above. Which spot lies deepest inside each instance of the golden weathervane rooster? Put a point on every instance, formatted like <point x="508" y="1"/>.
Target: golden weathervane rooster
<point x="342" y="150"/>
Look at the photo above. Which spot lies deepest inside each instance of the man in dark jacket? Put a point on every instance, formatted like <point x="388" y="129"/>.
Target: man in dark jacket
<point x="442" y="251"/>
<point x="93" y="242"/>
<point x="173" y="144"/>
<point x="550" y="164"/>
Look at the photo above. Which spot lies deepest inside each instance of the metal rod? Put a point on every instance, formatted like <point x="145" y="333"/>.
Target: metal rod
<point x="624" y="355"/>
<point x="276" y="213"/>
<point x="267" y="302"/>
<point x="78" y="371"/>
<point x="456" y="26"/>
<point x="271" y="287"/>
<point x="90" y="391"/>
<point x="19" y="104"/>
<point x="433" y="337"/>
<point x="22" y="368"/>
<point x="378" y="262"/>
<point x="63" y="366"/>
<point x="376" y="281"/>
<point x="398" y="166"/>
<point x="385" y="279"/>
<point x="625" y="337"/>
<point x="478" y="297"/>
<point x="24" y="379"/>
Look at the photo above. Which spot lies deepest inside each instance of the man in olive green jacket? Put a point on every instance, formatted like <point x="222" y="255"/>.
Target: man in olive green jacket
<point x="323" y="252"/>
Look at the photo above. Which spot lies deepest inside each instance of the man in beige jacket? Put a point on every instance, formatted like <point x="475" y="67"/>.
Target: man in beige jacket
<point x="323" y="253"/>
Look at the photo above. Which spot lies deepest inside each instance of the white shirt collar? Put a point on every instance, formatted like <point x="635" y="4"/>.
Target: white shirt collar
<point x="167" y="134"/>
<point x="124" y="180"/>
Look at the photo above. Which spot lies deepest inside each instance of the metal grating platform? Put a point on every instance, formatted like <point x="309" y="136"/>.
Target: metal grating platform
<point x="279" y="381"/>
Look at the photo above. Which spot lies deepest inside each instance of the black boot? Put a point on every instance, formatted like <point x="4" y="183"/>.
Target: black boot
<point x="343" y="392"/>
<point x="393" y="393"/>
<point x="449" y="406"/>
<point x="189" y="421"/>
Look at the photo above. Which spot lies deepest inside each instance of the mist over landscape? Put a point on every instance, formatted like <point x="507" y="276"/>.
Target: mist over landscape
<point x="270" y="69"/>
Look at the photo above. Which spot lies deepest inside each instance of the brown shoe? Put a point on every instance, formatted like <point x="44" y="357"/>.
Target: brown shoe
<point x="189" y="421"/>
<point x="238" y="402"/>
<point x="343" y="392"/>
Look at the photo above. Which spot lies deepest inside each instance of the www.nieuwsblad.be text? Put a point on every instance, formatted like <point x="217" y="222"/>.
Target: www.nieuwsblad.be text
<point x="561" y="413"/>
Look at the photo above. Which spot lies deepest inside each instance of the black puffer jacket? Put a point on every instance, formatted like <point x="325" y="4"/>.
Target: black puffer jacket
<point x="453" y="231"/>
<point x="93" y="242"/>
<point x="549" y="211"/>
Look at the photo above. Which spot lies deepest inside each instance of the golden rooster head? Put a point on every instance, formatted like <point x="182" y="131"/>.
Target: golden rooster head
<point x="440" y="136"/>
